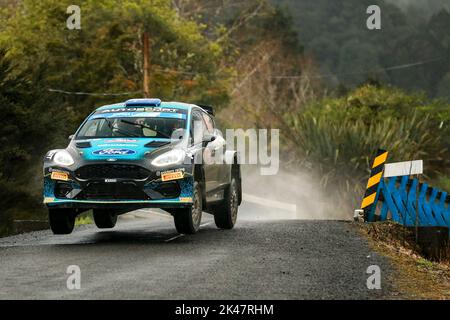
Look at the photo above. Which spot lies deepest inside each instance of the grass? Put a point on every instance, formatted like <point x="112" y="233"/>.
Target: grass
<point x="444" y="183"/>
<point x="340" y="147"/>
<point x="415" y="277"/>
<point x="83" y="219"/>
<point x="425" y="263"/>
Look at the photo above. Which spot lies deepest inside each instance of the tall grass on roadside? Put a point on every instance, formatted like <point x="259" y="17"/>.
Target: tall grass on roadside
<point x="84" y="218"/>
<point x="340" y="152"/>
<point x="443" y="183"/>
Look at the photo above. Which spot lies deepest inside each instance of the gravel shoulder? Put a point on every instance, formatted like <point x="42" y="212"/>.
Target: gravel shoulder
<point x="415" y="276"/>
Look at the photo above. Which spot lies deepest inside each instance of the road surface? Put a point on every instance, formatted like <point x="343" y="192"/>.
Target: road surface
<point x="144" y="258"/>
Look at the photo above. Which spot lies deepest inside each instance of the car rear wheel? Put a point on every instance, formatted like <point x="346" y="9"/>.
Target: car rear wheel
<point x="62" y="221"/>
<point x="105" y="219"/>
<point x="225" y="214"/>
<point x="187" y="220"/>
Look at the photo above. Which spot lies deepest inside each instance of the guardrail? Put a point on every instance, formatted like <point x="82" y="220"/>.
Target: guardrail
<point x="393" y="194"/>
<point x="403" y="199"/>
<point x="411" y="203"/>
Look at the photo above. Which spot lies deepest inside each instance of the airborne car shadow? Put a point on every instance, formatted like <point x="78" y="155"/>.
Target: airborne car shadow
<point x="127" y="233"/>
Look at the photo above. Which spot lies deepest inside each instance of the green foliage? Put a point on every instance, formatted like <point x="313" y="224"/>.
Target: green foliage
<point x="84" y="218"/>
<point x="193" y="57"/>
<point x="27" y="118"/>
<point x="105" y="56"/>
<point x="338" y="137"/>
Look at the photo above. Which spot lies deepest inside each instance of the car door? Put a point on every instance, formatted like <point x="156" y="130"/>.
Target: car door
<point x="198" y="132"/>
<point x="216" y="150"/>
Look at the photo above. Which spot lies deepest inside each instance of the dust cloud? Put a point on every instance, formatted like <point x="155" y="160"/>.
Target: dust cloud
<point x="286" y="195"/>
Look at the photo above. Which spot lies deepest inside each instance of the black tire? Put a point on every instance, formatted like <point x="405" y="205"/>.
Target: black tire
<point x="225" y="214"/>
<point x="105" y="219"/>
<point x="62" y="221"/>
<point x="187" y="220"/>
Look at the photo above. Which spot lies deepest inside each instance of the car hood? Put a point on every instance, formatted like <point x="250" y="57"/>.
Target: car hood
<point x="118" y="148"/>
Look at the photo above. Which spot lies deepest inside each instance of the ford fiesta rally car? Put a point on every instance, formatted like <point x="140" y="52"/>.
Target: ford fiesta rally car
<point x="144" y="153"/>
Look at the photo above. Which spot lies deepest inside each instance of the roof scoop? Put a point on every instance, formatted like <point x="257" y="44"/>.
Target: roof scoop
<point x="143" y="103"/>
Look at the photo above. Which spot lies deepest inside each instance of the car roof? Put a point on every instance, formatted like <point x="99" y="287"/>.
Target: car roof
<point x="173" y="105"/>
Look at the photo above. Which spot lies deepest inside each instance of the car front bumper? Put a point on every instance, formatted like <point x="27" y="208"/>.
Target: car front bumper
<point x="117" y="193"/>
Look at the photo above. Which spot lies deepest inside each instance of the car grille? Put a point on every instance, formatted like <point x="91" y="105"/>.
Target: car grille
<point x="112" y="171"/>
<point x="112" y="191"/>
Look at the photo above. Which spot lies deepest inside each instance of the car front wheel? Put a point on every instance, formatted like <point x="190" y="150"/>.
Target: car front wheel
<point x="62" y="221"/>
<point x="187" y="220"/>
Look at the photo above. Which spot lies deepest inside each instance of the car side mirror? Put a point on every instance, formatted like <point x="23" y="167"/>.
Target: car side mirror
<point x="208" y="138"/>
<point x="178" y="134"/>
<point x="71" y="137"/>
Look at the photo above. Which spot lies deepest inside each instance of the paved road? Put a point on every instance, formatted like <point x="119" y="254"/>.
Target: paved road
<point x="144" y="258"/>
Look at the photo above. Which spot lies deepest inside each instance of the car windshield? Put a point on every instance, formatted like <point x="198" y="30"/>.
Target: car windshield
<point x="143" y="127"/>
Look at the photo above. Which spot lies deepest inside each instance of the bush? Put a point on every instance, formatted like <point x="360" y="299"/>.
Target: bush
<point x="338" y="138"/>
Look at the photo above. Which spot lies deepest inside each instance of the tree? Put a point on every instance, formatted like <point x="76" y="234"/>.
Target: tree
<point x="335" y="34"/>
<point x="105" y="55"/>
<point x="28" y="120"/>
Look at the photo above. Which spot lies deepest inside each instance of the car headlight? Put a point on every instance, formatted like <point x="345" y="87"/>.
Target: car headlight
<point x="172" y="157"/>
<point x="63" y="158"/>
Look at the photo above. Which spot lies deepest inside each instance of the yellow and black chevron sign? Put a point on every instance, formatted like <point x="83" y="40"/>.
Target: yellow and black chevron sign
<point x="374" y="181"/>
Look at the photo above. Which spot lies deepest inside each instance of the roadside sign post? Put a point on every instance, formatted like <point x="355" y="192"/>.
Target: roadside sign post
<point x="373" y="185"/>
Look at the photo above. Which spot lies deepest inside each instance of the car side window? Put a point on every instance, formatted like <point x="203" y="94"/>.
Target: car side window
<point x="209" y="123"/>
<point x="197" y="127"/>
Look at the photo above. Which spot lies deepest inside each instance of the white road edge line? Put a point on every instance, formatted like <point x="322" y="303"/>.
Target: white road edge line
<point x="269" y="203"/>
<point x="173" y="238"/>
<point x="182" y="235"/>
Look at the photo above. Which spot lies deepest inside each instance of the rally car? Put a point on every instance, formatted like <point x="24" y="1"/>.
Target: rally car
<point x="144" y="153"/>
